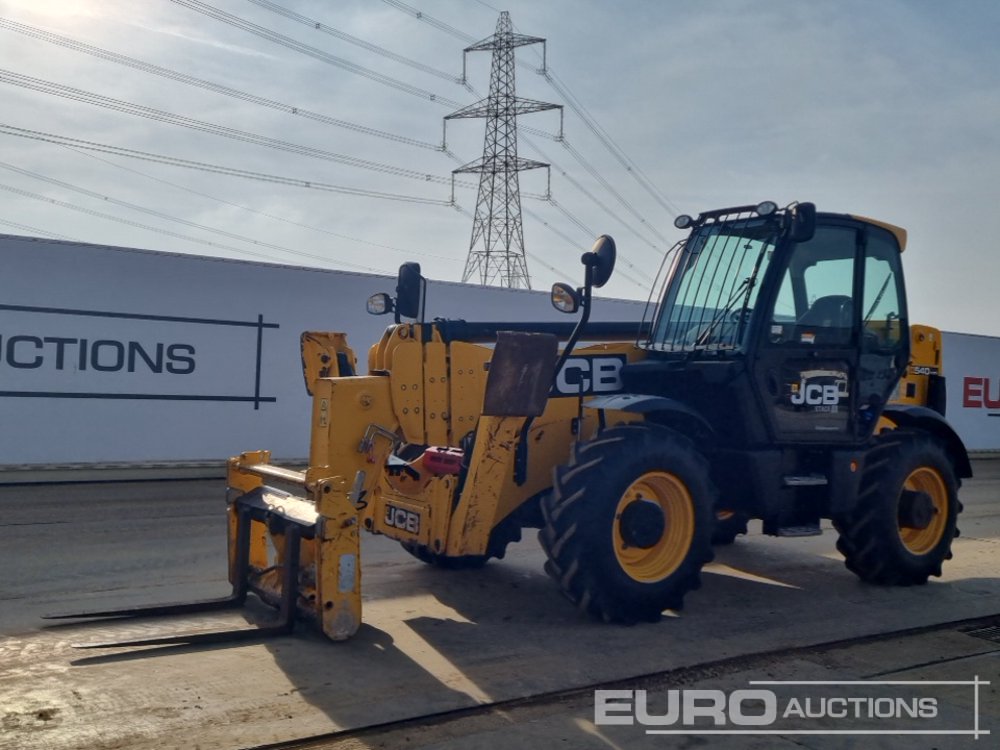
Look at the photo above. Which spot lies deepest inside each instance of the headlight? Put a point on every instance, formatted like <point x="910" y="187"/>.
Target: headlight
<point x="379" y="304"/>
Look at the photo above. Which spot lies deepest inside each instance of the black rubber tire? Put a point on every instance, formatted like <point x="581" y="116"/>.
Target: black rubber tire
<point x="727" y="529"/>
<point x="579" y="531"/>
<point x="870" y="538"/>
<point x="504" y="533"/>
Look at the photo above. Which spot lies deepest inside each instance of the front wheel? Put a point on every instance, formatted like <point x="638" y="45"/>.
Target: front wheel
<point x="903" y="523"/>
<point x="628" y="525"/>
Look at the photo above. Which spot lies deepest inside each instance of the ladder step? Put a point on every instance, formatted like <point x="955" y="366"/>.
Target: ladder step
<point x="803" y="530"/>
<point x="809" y="480"/>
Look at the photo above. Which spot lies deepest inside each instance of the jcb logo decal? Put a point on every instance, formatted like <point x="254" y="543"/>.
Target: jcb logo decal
<point x="588" y="375"/>
<point x="816" y="395"/>
<point x="401" y="518"/>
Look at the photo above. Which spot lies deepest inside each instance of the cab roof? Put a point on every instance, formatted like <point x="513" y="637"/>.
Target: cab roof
<point x="898" y="232"/>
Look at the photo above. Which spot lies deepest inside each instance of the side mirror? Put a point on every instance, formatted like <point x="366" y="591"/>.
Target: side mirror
<point x="803" y="220"/>
<point x="409" y="290"/>
<point x="565" y="298"/>
<point x="601" y="259"/>
<point x="379" y="304"/>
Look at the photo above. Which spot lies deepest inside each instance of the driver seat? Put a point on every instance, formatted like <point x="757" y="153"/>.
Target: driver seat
<point x="832" y="312"/>
<point x="829" y="312"/>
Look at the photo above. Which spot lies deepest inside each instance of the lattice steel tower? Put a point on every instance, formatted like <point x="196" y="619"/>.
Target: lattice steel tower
<point x="497" y="222"/>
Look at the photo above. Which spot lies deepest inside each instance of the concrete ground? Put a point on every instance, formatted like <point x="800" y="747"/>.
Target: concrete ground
<point x="924" y="660"/>
<point x="439" y="648"/>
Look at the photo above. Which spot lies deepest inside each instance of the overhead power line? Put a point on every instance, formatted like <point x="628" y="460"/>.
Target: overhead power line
<point x="258" y="212"/>
<point x="431" y="21"/>
<point x="174" y="161"/>
<point x="35" y="230"/>
<point x="597" y="201"/>
<point x="162" y="215"/>
<point x="621" y="258"/>
<point x="563" y="91"/>
<point x="318" y="54"/>
<point x="345" y="37"/>
<point x="87" y="97"/>
<point x="157" y="70"/>
<point x="274" y="37"/>
<point x="630" y="166"/>
<point x="573" y="219"/>
<point x="625" y="203"/>
<point x="572" y="243"/>
<point x="167" y="232"/>
<point x="574" y="104"/>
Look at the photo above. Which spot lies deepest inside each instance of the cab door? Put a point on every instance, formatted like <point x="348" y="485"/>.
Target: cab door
<point x="831" y="347"/>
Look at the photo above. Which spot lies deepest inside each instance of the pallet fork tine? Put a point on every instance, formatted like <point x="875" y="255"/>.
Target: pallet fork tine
<point x="282" y="625"/>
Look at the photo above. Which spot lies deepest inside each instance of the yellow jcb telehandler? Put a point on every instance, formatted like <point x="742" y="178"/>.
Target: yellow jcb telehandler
<point x="776" y="376"/>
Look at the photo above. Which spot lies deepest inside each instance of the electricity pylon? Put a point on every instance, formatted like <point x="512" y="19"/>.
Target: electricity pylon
<point x="500" y="260"/>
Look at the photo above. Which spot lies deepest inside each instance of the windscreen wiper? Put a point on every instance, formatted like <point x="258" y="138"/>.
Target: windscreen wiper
<point x="746" y="289"/>
<point x="723" y="313"/>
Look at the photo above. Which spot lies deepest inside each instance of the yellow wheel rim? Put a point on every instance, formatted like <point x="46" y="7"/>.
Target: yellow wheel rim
<point x="655" y="563"/>
<point x="922" y="541"/>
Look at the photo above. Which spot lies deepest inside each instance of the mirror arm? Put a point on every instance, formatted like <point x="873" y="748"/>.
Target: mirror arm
<point x="521" y="451"/>
<point x="425" y="330"/>
<point x="574" y="337"/>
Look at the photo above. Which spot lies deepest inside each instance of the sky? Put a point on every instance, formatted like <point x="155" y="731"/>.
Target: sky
<point x="886" y="109"/>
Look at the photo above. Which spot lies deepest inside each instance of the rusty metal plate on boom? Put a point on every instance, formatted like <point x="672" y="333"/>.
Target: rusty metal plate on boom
<point x="520" y="374"/>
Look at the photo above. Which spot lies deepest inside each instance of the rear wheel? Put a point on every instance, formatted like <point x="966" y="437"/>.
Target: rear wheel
<point x="901" y="528"/>
<point x="628" y="524"/>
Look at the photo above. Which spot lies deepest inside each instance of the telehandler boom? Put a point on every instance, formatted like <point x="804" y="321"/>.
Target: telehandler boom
<point x="776" y="377"/>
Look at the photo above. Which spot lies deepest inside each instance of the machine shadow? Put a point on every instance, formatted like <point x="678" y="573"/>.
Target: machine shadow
<point x="444" y="640"/>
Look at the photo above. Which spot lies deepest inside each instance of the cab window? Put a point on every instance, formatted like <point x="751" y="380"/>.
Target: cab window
<point x="884" y="317"/>
<point x="815" y="304"/>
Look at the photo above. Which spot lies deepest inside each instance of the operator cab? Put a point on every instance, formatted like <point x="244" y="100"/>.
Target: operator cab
<point x="780" y="325"/>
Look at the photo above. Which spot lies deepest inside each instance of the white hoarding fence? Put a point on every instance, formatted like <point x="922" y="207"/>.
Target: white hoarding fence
<point x="972" y="369"/>
<point x="121" y="356"/>
<point x="54" y="352"/>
